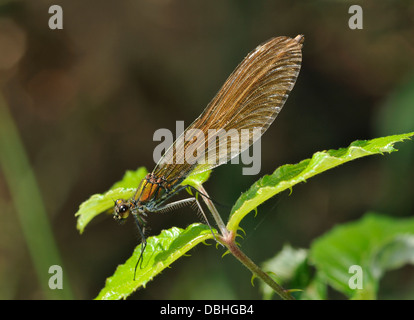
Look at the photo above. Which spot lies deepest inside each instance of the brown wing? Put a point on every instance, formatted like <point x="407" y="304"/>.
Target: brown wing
<point x="251" y="98"/>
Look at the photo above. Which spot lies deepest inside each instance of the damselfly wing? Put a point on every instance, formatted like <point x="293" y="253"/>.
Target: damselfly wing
<point x="249" y="101"/>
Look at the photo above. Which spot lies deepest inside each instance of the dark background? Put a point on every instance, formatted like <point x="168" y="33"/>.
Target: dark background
<point x="87" y="99"/>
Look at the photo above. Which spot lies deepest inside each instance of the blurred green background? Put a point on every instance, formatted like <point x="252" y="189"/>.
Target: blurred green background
<point x="87" y="99"/>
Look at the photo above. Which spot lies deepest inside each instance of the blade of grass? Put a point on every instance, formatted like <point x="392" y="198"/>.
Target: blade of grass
<point x="29" y="206"/>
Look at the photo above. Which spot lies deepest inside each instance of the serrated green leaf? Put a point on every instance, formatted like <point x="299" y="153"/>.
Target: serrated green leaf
<point x="289" y="175"/>
<point x="375" y="243"/>
<point x="160" y="253"/>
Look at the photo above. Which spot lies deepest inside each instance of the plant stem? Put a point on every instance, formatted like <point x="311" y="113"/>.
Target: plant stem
<point x="228" y="239"/>
<point x="255" y="269"/>
<point x="214" y="212"/>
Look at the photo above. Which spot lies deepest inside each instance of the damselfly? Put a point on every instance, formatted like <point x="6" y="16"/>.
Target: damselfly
<point x="250" y="99"/>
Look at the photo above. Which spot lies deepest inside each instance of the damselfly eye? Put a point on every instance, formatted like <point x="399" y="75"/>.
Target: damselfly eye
<point x="121" y="210"/>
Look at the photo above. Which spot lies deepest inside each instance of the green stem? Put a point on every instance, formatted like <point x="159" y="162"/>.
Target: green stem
<point x="228" y="239"/>
<point x="255" y="269"/>
<point x="214" y="212"/>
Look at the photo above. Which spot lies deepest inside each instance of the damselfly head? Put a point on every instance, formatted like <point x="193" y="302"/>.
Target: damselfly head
<point x="122" y="209"/>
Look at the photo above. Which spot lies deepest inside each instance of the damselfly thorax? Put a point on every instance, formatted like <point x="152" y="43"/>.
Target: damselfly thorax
<point x="250" y="99"/>
<point x="151" y="192"/>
